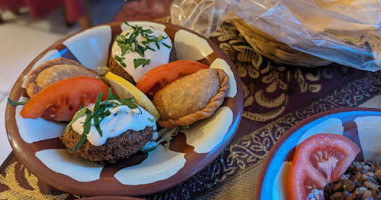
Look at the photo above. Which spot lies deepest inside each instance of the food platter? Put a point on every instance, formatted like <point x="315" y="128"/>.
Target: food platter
<point x="110" y="198"/>
<point x="360" y="125"/>
<point x="36" y="144"/>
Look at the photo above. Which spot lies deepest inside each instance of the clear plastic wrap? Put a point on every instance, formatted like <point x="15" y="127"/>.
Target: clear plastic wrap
<point x="343" y="31"/>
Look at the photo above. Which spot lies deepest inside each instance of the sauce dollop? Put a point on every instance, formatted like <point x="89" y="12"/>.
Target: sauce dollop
<point x="158" y="53"/>
<point x="121" y="119"/>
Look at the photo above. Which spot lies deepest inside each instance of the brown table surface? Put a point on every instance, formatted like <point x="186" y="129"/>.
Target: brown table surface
<point x="276" y="98"/>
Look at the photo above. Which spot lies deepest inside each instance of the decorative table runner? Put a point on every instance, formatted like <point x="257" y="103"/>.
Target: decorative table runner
<point x="276" y="98"/>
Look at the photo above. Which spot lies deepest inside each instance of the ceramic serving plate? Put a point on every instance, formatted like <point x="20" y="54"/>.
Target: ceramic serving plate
<point x="361" y="125"/>
<point x="110" y="198"/>
<point x="36" y="144"/>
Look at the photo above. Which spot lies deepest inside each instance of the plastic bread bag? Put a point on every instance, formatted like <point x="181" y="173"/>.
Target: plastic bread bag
<point x="202" y="16"/>
<point x="343" y="31"/>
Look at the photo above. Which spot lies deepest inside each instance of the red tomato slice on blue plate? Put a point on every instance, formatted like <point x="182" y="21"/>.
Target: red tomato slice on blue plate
<point x="319" y="160"/>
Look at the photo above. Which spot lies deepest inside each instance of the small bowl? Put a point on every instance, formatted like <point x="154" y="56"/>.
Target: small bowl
<point x="36" y="144"/>
<point x="361" y="125"/>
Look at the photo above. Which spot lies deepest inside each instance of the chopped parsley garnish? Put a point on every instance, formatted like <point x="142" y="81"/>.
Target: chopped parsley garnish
<point x="17" y="103"/>
<point x="151" y="120"/>
<point x="166" y="45"/>
<point x="111" y="96"/>
<point x="86" y="130"/>
<point x="100" y="111"/>
<point x="141" y="61"/>
<point x="128" y="102"/>
<point x="120" y="60"/>
<point x="95" y="115"/>
<point x="77" y="115"/>
<point x="129" y="43"/>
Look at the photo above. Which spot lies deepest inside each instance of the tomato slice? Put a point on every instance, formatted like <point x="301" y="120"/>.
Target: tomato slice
<point x="62" y="99"/>
<point x="319" y="160"/>
<point x="162" y="75"/>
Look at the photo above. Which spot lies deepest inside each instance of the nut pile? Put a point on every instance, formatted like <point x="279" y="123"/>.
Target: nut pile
<point x="362" y="180"/>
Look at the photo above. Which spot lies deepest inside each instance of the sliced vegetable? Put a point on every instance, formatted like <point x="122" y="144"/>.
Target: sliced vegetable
<point x="62" y="99"/>
<point x="125" y="89"/>
<point x="160" y="76"/>
<point x="319" y="160"/>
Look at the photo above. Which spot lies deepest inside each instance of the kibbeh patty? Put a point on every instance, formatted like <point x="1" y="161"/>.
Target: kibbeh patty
<point x="115" y="148"/>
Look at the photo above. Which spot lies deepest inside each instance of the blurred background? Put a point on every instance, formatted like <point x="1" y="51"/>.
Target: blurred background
<point x="27" y="27"/>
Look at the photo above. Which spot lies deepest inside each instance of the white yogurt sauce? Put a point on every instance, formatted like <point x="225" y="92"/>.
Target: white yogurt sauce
<point x="121" y="119"/>
<point x="157" y="57"/>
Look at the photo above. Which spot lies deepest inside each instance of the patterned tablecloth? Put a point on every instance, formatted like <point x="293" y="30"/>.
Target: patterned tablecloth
<point x="276" y="98"/>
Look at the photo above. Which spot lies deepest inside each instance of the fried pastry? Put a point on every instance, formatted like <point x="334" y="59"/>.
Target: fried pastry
<point x="55" y="70"/>
<point x="191" y="98"/>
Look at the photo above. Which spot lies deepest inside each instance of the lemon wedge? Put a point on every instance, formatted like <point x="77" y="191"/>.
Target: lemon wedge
<point x="125" y="89"/>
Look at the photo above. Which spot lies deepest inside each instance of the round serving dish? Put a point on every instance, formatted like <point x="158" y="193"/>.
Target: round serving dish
<point x="36" y="144"/>
<point x="361" y="125"/>
<point x="110" y="198"/>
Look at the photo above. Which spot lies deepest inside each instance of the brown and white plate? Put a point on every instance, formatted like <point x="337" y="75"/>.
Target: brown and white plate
<point x="36" y="144"/>
<point x="110" y="198"/>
